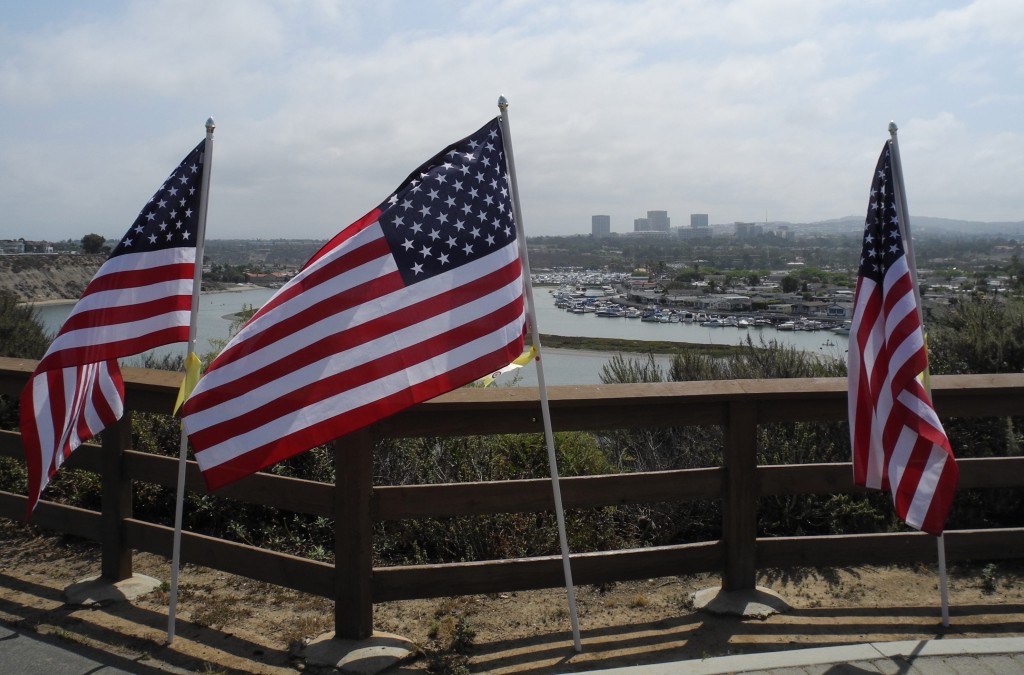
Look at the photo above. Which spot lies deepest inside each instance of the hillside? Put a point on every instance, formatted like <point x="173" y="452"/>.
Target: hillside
<point x="37" y="278"/>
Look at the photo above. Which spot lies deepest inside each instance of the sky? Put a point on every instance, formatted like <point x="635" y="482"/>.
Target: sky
<point x="747" y="110"/>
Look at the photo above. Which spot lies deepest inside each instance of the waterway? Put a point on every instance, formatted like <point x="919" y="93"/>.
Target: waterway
<point x="561" y="366"/>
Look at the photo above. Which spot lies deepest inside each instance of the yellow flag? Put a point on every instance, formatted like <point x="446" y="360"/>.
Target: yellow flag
<point x="524" y="358"/>
<point x="192" y="367"/>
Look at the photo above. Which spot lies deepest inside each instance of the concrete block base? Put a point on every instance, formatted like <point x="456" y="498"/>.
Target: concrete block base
<point x="359" y="657"/>
<point x="97" y="590"/>
<point x="750" y="603"/>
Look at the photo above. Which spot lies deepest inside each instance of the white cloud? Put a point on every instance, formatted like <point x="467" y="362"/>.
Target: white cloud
<point x="729" y="108"/>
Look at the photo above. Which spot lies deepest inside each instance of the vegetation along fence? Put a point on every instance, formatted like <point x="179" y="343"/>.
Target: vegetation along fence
<point x="355" y="504"/>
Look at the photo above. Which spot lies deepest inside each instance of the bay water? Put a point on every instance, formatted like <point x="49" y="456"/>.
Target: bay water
<point x="561" y="366"/>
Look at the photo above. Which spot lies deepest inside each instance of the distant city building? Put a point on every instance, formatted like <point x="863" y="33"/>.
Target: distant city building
<point x="640" y="225"/>
<point x="698" y="220"/>
<point x="600" y="226"/>
<point x="658" y="221"/>
<point x="747" y="230"/>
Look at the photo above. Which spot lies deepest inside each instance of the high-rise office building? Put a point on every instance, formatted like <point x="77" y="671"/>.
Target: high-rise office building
<point x="658" y="221"/>
<point x="698" y="220"/>
<point x="640" y="225"/>
<point x="600" y="226"/>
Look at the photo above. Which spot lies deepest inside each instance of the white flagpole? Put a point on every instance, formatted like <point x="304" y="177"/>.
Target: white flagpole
<point x="197" y="278"/>
<point x="903" y="215"/>
<point x="545" y="409"/>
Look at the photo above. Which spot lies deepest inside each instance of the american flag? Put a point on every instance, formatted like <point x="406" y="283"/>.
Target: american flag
<point x="897" y="439"/>
<point x="418" y="297"/>
<point x="139" y="299"/>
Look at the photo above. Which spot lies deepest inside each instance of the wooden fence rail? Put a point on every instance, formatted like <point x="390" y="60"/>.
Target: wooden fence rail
<point x="738" y="406"/>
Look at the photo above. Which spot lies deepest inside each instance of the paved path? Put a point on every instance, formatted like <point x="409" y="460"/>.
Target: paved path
<point x="984" y="656"/>
<point x="27" y="653"/>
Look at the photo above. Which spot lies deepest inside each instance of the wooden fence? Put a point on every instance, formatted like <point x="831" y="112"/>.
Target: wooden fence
<point x="738" y="406"/>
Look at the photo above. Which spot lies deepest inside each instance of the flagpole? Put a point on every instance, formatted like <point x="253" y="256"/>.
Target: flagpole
<point x="903" y="216"/>
<point x="545" y="408"/>
<point x="197" y="278"/>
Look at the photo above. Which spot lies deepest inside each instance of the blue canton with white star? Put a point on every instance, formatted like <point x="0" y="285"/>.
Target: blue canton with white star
<point x="171" y="218"/>
<point x="883" y="244"/>
<point x="454" y="209"/>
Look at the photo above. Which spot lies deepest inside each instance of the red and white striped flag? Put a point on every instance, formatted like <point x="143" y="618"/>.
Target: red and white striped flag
<point x="420" y="296"/>
<point x="139" y="299"/>
<point x="897" y="439"/>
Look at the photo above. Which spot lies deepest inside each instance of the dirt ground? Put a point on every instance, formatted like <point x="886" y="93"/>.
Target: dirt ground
<point x="227" y="624"/>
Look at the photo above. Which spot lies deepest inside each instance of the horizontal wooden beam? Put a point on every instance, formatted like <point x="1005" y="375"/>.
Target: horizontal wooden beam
<point x="535" y="495"/>
<point x="280" y="569"/>
<point x="435" y="581"/>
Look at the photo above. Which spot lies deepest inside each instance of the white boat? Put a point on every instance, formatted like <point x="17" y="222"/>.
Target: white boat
<point x="744" y="323"/>
<point x="633" y="313"/>
<point x="843" y="329"/>
<point x="787" y="325"/>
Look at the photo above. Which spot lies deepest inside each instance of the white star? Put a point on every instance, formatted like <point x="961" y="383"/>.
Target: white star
<point x="127" y="242"/>
<point x="152" y="239"/>
<point x="435" y="235"/>
<point x="406" y="203"/>
<point x="468" y="248"/>
<point x="417" y="227"/>
<point x="490" y="239"/>
<point x="184" y="235"/>
<point x="425" y="251"/>
<point x="451" y="242"/>
<point x="443" y="258"/>
<point x="150" y="216"/>
<point x="459" y="225"/>
<point x="407" y="244"/>
<point x="432" y="195"/>
<point x="425" y="211"/>
<point x="417" y="268"/>
<point x="475" y="232"/>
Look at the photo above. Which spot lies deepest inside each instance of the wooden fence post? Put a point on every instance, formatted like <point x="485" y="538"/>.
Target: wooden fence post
<point x="116" y="500"/>
<point x="353" y="539"/>
<point x="739" y="506"/>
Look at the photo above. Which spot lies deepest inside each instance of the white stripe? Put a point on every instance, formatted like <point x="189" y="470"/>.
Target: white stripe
<point x="923" y="495"/>
<point x="901" y="454"/>
<point x="132" y="295"/>
<point x="44" y="421"/>
<point x="339" y="362"/>
<point x="356" y="397"/>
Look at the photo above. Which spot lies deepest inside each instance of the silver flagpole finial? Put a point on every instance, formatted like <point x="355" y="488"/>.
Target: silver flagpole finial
<point x="210" y="126"/>
<point x="502" y="103"/>
<point x="892" y="128"/>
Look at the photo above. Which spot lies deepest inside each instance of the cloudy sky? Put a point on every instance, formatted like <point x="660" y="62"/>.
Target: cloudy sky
<point x="745" y="110"/>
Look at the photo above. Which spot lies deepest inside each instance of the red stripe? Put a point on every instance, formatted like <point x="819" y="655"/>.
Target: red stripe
<point x="292" y="401"/>
<point x="346" y="234"/>
<point x="329" y="429"/>
<point x="115" y="281"/>
<point x="109" y="316"/>
<point x="67" y="358"/>
<point x="349" y="260"/>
